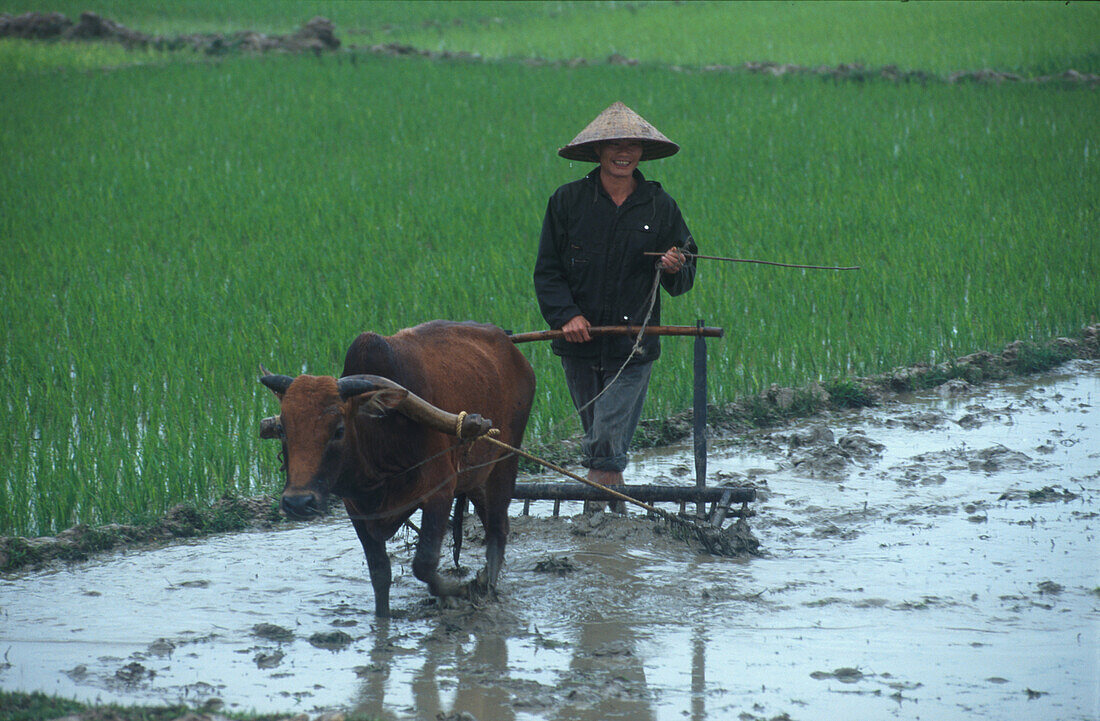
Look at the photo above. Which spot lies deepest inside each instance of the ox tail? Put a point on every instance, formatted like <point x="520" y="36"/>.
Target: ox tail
<point x="456" y="525"/>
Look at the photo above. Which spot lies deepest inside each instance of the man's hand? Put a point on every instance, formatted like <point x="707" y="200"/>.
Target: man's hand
<point x="576" y="329"/>
<point x="672" y="261"/>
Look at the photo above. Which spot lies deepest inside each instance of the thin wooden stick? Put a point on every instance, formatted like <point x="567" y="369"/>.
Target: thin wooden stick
<point x="761" y="262"/>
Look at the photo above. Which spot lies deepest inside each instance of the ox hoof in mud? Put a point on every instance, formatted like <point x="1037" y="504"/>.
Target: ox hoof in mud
<point x="481" y="588"/>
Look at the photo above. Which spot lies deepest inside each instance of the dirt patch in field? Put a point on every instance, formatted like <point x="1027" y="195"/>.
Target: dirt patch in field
<point x="316" y="35"/>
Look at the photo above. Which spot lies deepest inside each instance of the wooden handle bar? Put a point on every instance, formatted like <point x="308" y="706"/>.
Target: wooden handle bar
<point x="706" y="332"/>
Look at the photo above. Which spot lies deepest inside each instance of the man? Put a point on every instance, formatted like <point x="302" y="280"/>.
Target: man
<point x="591" y="271"/>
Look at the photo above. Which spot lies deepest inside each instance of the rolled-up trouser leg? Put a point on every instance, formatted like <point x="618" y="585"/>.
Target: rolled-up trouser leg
<point x="609" y="423"/>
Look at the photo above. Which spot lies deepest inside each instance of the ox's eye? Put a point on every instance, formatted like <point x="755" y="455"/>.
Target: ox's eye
<point x="338" y="433"/>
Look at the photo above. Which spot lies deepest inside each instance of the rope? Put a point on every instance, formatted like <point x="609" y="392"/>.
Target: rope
<point x="635" y="349"/>
<point x="569" y="474"/>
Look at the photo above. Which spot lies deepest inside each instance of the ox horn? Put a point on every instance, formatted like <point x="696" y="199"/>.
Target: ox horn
<point x="349" y="386"/>
<point x="276" y="383"/>
<point x="417" y="409"/>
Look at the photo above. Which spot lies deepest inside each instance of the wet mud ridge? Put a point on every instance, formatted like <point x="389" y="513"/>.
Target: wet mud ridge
<point x="931" y="557"/>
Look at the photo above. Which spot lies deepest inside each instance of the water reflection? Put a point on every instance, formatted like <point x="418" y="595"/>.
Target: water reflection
<point x="608" y="660"/>
<point x="594" y="668"/>
<point x="698" y="675"/>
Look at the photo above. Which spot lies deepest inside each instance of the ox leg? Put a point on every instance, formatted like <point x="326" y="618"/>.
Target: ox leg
<point x="494" y="517"/>
<point x="425" y="565"/>
<point x="378" y="561"/>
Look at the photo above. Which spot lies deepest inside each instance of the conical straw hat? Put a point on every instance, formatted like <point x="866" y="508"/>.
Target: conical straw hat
<point x="619" y="122"/>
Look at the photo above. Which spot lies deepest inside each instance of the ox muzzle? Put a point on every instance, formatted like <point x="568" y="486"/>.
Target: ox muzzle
<point x="303" y="506"/>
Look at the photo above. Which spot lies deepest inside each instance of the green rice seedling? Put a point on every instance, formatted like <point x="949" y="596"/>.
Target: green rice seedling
<point x="25" y="56"/>
<point x="167" y="228"/>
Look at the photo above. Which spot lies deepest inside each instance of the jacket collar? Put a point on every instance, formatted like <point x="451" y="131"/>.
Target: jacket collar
<point x="642" y="192"/>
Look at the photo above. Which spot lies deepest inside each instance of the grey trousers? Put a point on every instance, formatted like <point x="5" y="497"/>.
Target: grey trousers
<point x="609" y="423"/>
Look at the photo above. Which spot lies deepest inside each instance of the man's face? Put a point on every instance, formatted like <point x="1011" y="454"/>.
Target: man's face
<point x="619" y="158"/>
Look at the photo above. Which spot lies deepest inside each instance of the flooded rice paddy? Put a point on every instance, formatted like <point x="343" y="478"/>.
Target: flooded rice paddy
<point x="934" y="558"/>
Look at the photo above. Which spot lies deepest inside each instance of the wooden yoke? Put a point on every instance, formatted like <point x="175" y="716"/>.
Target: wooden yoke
<point x="412" y="406"/>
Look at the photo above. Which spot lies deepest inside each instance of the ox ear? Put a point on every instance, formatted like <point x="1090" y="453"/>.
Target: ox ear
<point x="379" y="403"/>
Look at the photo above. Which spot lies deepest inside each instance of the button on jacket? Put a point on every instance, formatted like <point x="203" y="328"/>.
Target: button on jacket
<point x="591" y="263"/>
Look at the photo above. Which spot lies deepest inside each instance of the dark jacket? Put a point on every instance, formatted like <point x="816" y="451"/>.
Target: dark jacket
<point x="591" y="263"/>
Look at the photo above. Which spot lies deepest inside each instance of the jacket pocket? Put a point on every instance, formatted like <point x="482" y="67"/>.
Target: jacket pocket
<point x="639" y="242"/>
<point x="579" y="265"/>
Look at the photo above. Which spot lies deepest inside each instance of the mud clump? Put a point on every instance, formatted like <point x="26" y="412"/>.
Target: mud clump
<point x="828" y="462"/>
<point x="858" y="445"/>
<point x="331" y="640"/>
<point x="34" y="26"/>
<point x="556" y="565"/>
<point x="1050" y="588"/>
<point x="317" y="35"/>
<point x="133" y="673"/>
<point x="606" y="526"/>
<point x="266" y="660"/>
<point x="272" y="632"/>
<point x="1050" y="494"/>
<point x="844" y="675"/>
<point x="161" y="647"/>
<point x="998" y="458"/>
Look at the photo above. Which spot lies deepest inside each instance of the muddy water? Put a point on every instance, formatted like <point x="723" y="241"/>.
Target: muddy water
<point x="935" y="558"/>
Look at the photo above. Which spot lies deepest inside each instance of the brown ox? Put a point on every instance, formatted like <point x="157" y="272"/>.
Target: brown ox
<point x="382" y="438"/>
